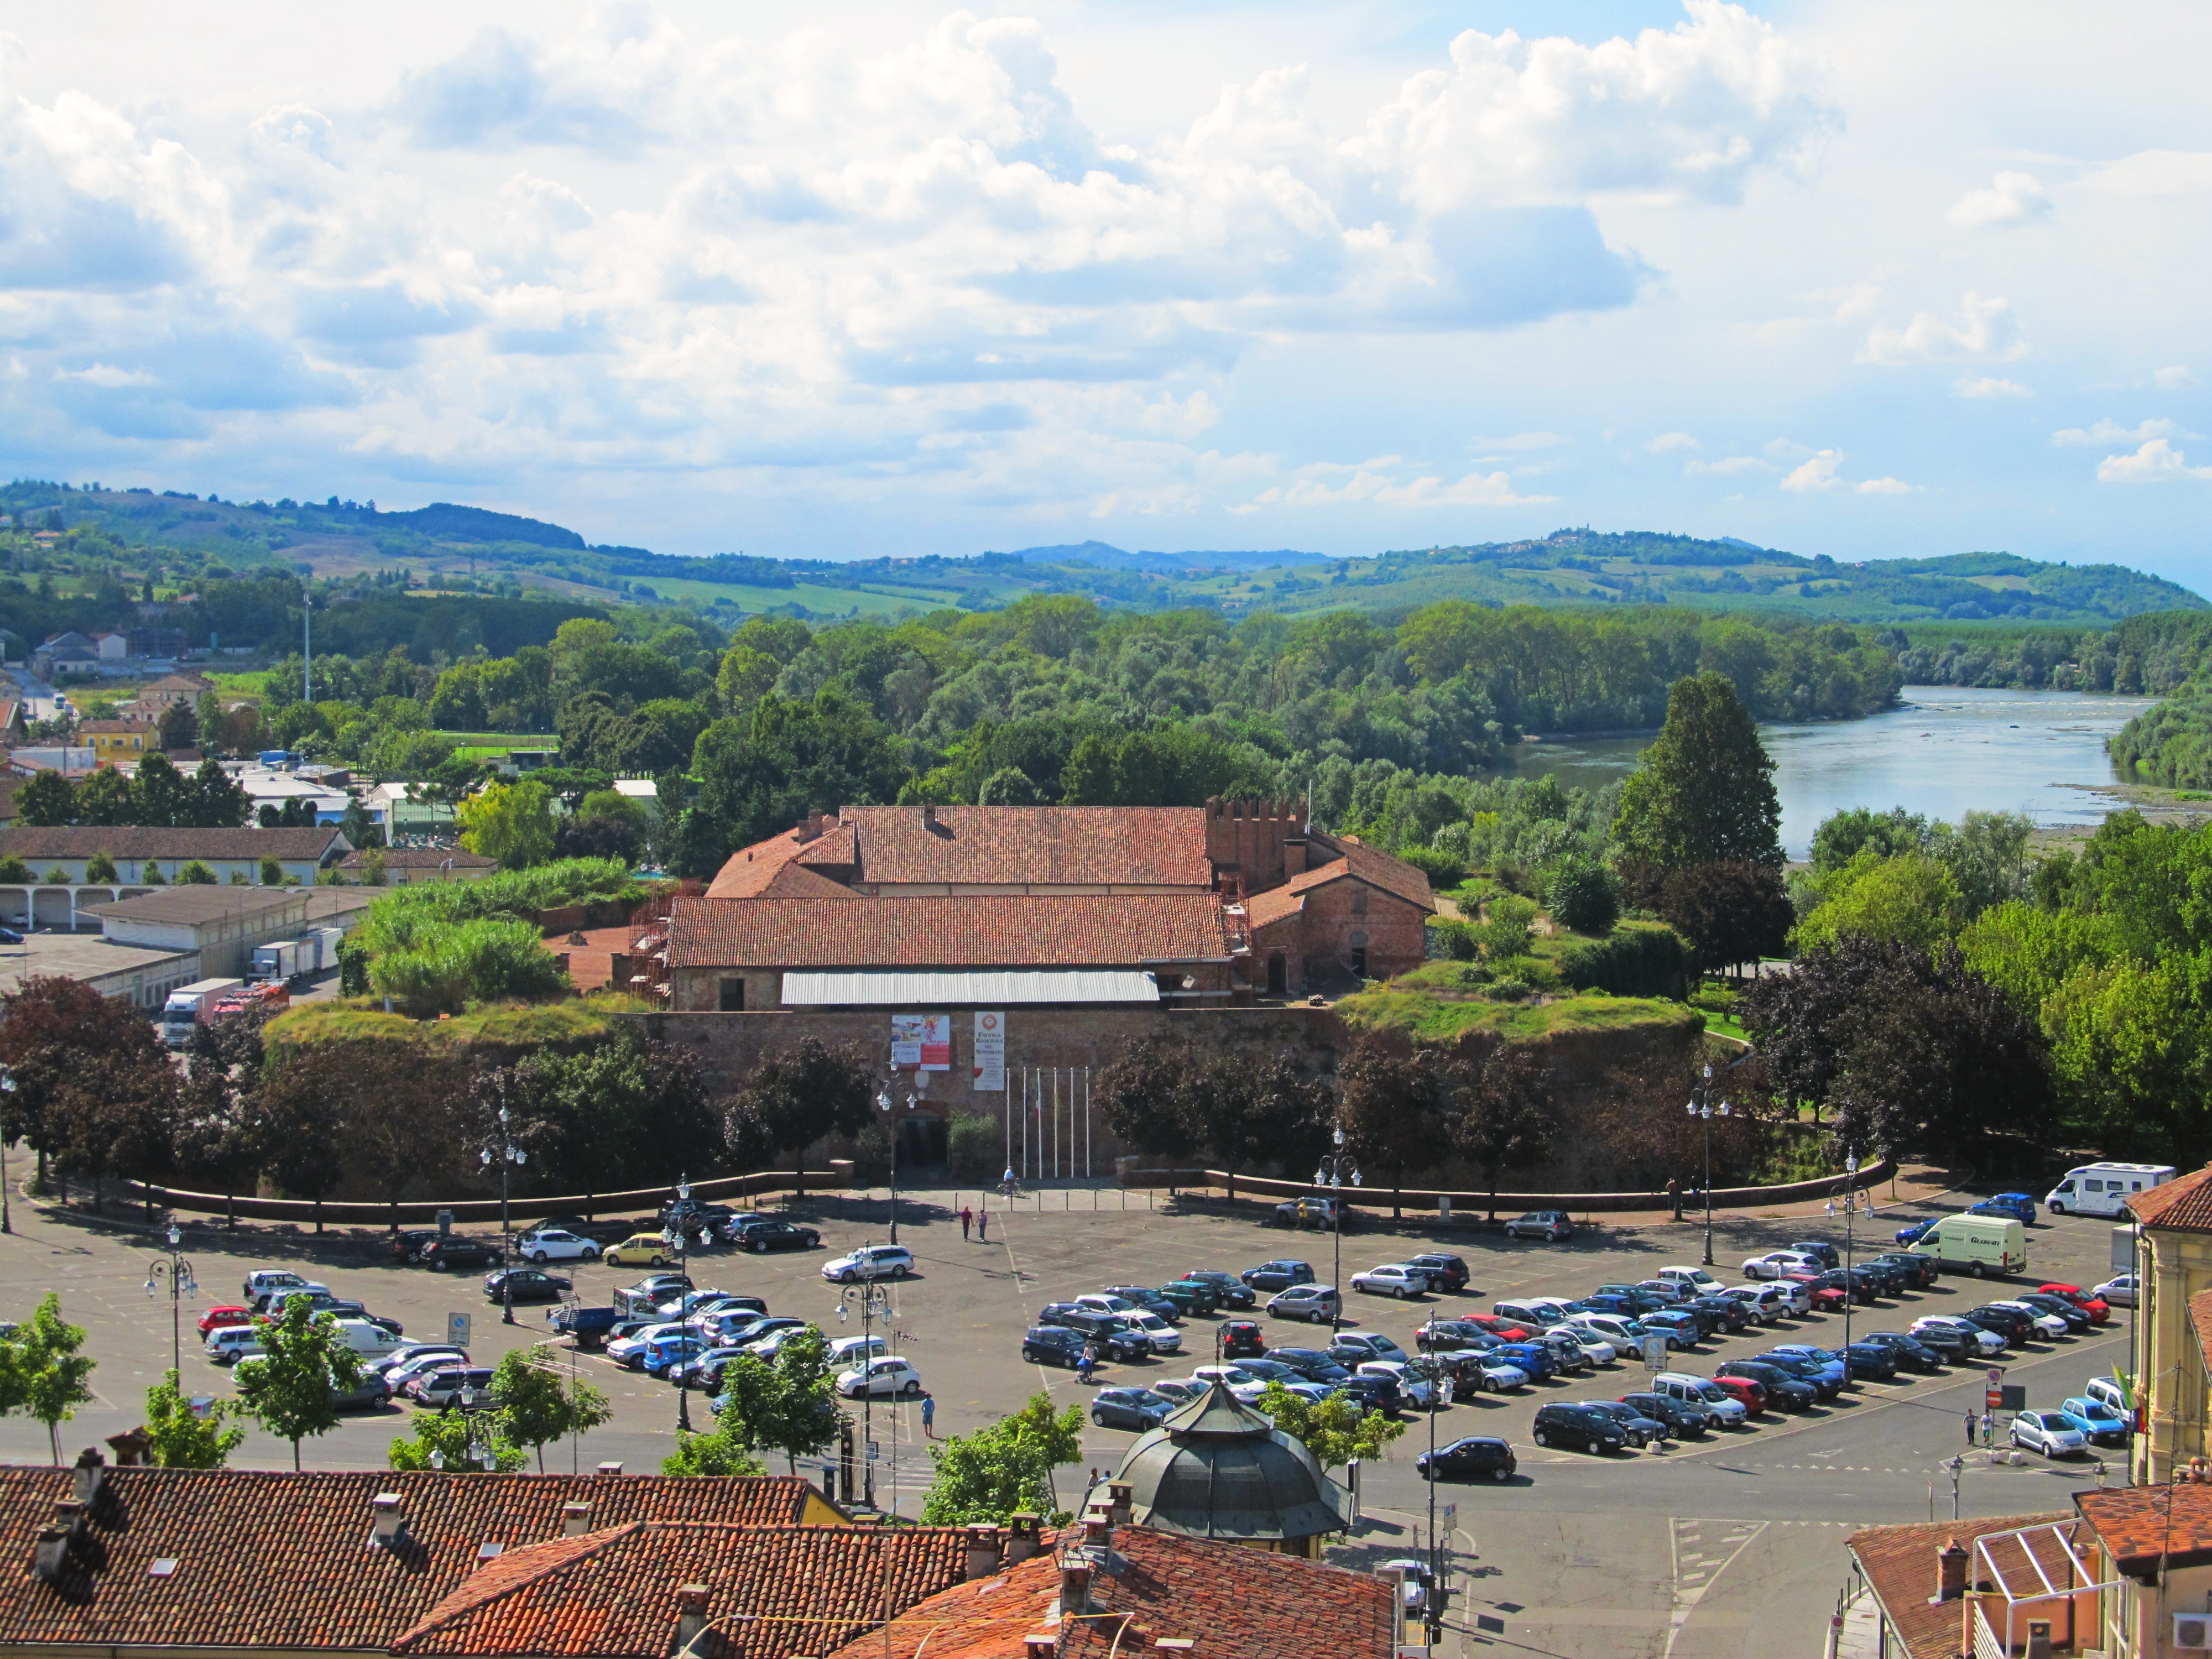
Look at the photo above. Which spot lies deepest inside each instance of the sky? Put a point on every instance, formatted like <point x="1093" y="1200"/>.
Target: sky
<point x="1868" y="279"/>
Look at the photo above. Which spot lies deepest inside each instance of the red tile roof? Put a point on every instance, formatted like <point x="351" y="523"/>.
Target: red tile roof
<point x="272" y="1558"/>
<point x="148" y="841"/>
<point x="1237" y="1601"/>
<point x="748" y="871"/>
<point x="2137" y="1525"/>
<point x="1900" y="1563"/>
<point x="772" y="1591"/>
<point x="1080" y="931"/>
<point x="1378" y="870"/>
<point x="1263" y="910"/>
<point x="2182" y="1204"/>
<point x="1071" y="846"/>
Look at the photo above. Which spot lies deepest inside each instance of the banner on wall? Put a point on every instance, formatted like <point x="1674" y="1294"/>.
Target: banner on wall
<point x="922" y="1041"/>
<point x="990" y="1074"/>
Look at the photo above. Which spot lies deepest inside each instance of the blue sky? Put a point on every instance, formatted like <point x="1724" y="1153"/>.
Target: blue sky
<point x="1868" y="279"/>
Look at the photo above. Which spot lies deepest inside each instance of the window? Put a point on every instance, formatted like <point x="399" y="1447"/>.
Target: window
<point x="1278" y="975"/>
<point x="1358" y="901"/>
<point x="2093" y="1185"/>
<point x="732" y="999"/>
<point x="1359" y="960"/>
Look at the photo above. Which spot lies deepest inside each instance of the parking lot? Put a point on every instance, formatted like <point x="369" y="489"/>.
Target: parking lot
<point x="1869" y="1456"/>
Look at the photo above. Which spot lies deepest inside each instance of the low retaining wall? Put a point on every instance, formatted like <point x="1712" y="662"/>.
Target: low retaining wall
<point x="1423" y="1198"/>
<point x="354" y="1212"/>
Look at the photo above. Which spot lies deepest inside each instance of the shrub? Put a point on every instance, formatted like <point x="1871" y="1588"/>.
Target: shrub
<point x="1441" y="868"/>
<point x="1505" y="930"/>
<point x="98" y="867"/>
<point x="17" y="874"/>
<point x="1454" y="940"/>
<point x="1633" y="962"/>
<point x="58" y="877"/>
<point x="975" y="1147"/>
<point x="196" y="874"/>
<point x="272" y="872"/>
<point x="479" y="961"/>
<point x="1581" y="896"/>
<point x="1504" y="990"/>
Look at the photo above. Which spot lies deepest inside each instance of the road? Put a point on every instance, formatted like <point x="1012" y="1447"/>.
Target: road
<point x="1731" y="1547"/>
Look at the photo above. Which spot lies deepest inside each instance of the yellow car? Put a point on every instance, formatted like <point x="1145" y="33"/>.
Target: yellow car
<point x="642" y="1250"/>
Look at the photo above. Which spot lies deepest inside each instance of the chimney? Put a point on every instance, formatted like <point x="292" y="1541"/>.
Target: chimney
<point x="982" y="1551"/>
<point x="2039" y="1639"/>
<point x="691" y="1615"/>
<point x="929" y="817"/>
<point x="610" y="1468"/>
<point x="69" y="1516"/>
<point x="1074" y="1586"/>
<point x="1042" y="1646"/>
<point x="91" y="1472"/>
<point x="387" y="1522"/>
<point x="1120" y="1508"/>
<point x="1021" y="1536"/>
<point x="575" y="1519"/>
<point x="1951" y="1571"/>
<point x="810" y="828"/>
<point x="1098" y="1529"/>
<point x="53" y="1549"/>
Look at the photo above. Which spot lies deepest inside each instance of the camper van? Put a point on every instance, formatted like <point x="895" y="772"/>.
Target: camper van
<point x="1984" y="1246"/>
<point x="2102" y="1188"/>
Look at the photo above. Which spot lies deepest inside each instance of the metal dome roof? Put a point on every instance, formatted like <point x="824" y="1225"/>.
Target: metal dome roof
<point x="1216" y="1469"/>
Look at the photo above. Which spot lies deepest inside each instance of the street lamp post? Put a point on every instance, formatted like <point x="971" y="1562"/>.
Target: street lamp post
<point x="1851" y="1284"/>
<point x="675" y="1232"/>
<point x="873" y="1301"/>
<point x="1335" y="1170"/>
<point x="7" y="1086"/>
<point x="179" y="1273"/>
<point x="1702" y="1106"/>
<point x="507" y="1155"/>
<point x="886" y="1103"/>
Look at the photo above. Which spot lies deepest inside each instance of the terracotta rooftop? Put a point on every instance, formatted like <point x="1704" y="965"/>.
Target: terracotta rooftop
<point x="149" y="841"/>
<point x="1271" y="906"/>
<point x="1900" y="1564"/>
<point x="1378" y="869"/>
<point x="1078" y="931"/>
<point x="747" y="873"/>
<point x="1076" y="846"/>
<point x="2182" y="1204"/>
<point x="273" y="1558"/>
<point x="2137" y="1525"/>
<point x="1235" y="1602"/>
<point x="772" y="1591"/>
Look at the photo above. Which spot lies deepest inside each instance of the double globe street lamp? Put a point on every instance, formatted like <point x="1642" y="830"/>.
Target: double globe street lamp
<point x="177" y="1272"/>
<point x="874" y="1303"/>
<point x="1335" y="1170"/>
<point x="507" y="1155"/>
<point x="673" y="1230"/>
<point x="1702" y="1105"/>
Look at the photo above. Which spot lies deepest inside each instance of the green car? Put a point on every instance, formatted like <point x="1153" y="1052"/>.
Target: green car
<point x="1192" y="1295"/>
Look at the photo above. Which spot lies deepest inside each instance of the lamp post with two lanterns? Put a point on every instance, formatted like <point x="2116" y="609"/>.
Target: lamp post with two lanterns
<point x="179" y="1273"/>
<point x="1335" y="1170"/>
<point x="7" y="1087"/>
<point x="886" y="1103"/>
<point x="674" y="1231"/>
<point x="874" y="1303"/>
<point x="1702" y="1105"/>
<point x="507" y="1155"/>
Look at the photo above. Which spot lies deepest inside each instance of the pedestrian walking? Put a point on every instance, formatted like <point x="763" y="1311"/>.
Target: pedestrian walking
<point x="983" y="1227"/>
<point x="1088" y="1363"/>
<point x="967" y="1219"/>
<point x="1970" y="1428"/>
<point x="929" y="1417"/>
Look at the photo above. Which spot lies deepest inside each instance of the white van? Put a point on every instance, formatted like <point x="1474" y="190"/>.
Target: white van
<point x="1980" y="1245"/>
<point x="2102" y="1188"/>
<point x="1694" y="1281"/>
<point x="228" y="1344"/>
<point x="1701" y="1394"/>
<point x="369" y="1341"/>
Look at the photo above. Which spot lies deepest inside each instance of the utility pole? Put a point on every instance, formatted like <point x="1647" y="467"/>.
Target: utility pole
<point x="307" y="637"/>
<point x="1701" y="1106"/>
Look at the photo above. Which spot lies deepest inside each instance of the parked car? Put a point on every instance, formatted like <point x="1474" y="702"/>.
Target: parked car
<point x="216" y="1318"/>
<point x="1719" y="1408"/>
<point x="397" y="1371"/>
<point x="666" y="1355"/>
<point x="1824" y="1377"/>
<point x="228" y="1344"/>
<point x="1532" y="1313"/>
<point x="1666" y="1292"/>
<point x="847" y="1351"/>
<point x="2107" y="1389"/>
<point x="1472" y="1372"/>
<point x="456" y="1255"/>
<point x="1352" y="1347"/>
<point x="1821" y="1250"/>
<point x="2051" y="1433"/>
<point x="1232" y="1291"/>
<point x="1242" y="1339"/>
<point x="642" y="1250"/>
<point x="1846" y="1281"/>
<point x="262" y="1280"/>
<point x="632" y="1301"/>
<point x="1189" y="1297"/>
<point x="1278" y="1275"/>
<point x="1129" y="1408"/>
<point x="1311" y="1364"/>
<point x="1762" y="1304"/>
<point x="1243" y="1386"/>
<point x="1595" y="1348"/>
<point x="451" y="1385"/>
<point x="1328" y="1214"/>
<point x="1872" y="1362"/>
<point x="1449" y="1273"/>
<point x="1679" y="1421"/>
<point x="625" y="1349"/>
<point x="1551" y="1227"/>
<point x="2118" y="1292"/>
<point x="1682" y="1328"/>
<point x="1582" y="1427"/>
<point x="2075" y="1320"/>
<point x="2042" y="1321"/>
<point x="891" y="1376"/>
<point x="1375" y="1394"/>
<point x="1318" y="1302"/>
<point x="1506" y="1330"/>
<point x="1912" y="1354"/>
<point x="556" y="1246"/>
<point x="588" y="1328"/>
<point x="1956" y="1338"/>
<point x="2101" y="1424"/>
<point x="1747" y="1391"/>
<point x="1536" y="1361"/>
<point x="1147" y="1299"/>
<point x="869" y="1261"/>
<point x="2089" y="1302"/>
<point x="1392" y="1280"/>
<point x="2018" y="1205"/>
<point x="407" y="1248"/>
<point x="525" y="1285"/>
<point x="1116" y="1339"/>
<point x="1780" y="1387"/>
<point x="2015" y="1325"/>
<point x="1640" y="1430"/>
<point x="1476" y="1457"/>
<point x="274" y="1300"/>
<point x="1913" y="1232"/>
<point x="1920" y="1270"/>
<point x="1446" y="1335"/>
<point x="559" y="1223"/>
<point x="1164" y="1337"/>
<point x="1572" y="1357"/>
<point x="1639" y="1300"/>
<point x="1719" y="1313"/>
<point x="1053" y="1344"/>
<point x="773" y="1233"/>
<point x="1270" y="1370"/>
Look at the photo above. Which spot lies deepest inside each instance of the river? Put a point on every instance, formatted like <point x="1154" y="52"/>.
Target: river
<point x="1943" y="752"/>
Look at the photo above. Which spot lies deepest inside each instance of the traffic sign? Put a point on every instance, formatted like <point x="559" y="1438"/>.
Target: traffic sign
<point x="1996" y="1375"/>
<point x="457" y="1330"/>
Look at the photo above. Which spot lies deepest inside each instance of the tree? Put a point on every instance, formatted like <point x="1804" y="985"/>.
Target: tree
<point x="1909" y="899"/>
<point x="460" y="1443"/>
<point x="1332" y="1428"/>
<point x="765" y="770"/>
<point x="539" y="1409"/>
<point x="510" y="822"/>
<point x="100" y="867"/>
<point x="619" y="1115"/>
<point x="162" y="795"/>
<point x="1731" y="913"/>
<point x="179" y="728"/>
<point x="1142" y="1098"/>
<point x="1844" y="835"/>
<point x="181" y="1437"/>
<point x="196" y="874"/>
<point x="1254" y="1112"/>
<point x="107" y="799"/>
<point x="1704" y="792"/>
<point x="14" y="873"/>
<point x="1386" y="1103"/>
<point x="1005" y="1469"/>
<point x="1506" y="928"/>
<point x="288" y="1387"/>
<point x="218" y="800"/>
<point x="42" y="1375"/>
<point x="794" y="1098"/>
<point x="300" y="1127"/>
<point x="45" y="799"/>
<point x="1581" y="896"/>
<point x="720" y="1451"/>
<point x="94" y="1087"/>
<point x="362" y="831"/>
<point x="1499" y="1108"/>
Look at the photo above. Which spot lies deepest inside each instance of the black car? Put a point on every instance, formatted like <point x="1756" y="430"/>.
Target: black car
<point x="1683" y="1422"/>
<point x="1478" y="1457"/>
<point x="1709" y="1319"/>
<point x="2077" y="1322"/>
<point x="1378" y="1394"/>
<point x="1582" y="1427"/>
<point x="1640" y="1429"/>
<point x="1784" y="1389"/>
<point x="458" y="1254"/>
<point x="524" y="1285"/>
<point x="1870" y="1361"/>
<point x="1129" y="1408"/>
<point x="1311" y="1364"/>
<point x="1278" y="1275"/>
<point x="1805" y="1371"/>
<point x="1233" y="1292"/>
<point x="1449" y="1273"/>
<point x="1450" y="1335"/>
<point x="1270" y="1370"/>
<point x="1820" y="1250"/>
<point x="1732" y="1315"/>
<point x="407" y="1248"/>
<point x="777" y="1235"/>
<point x="1116" y="1338"/>
<point x="1055" y="1344"/>
<point x="1912" y="1352"/>
<point x="1857" y="1284"/>
<point x="1149" y="1299"/>
<point x="1241" y="1339"/>
<point x="1886" y="1278"/>
<point x="2009" y="1323"/>
<point x="563" y="1223"/>
<point x="1920" y="1270"/>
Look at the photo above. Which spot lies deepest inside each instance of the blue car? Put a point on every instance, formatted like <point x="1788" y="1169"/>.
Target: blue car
<point x="1916" y="1231"/>
<point x="2099" y="1423"/>
<point x="1541" y="1363"/>
<point x="1682" y="1329"/>
<point x="2018" y="1205"/>
<point x="663" y="1353"/>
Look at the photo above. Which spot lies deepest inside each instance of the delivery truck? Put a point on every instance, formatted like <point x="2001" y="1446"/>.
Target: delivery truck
<point x="192" y="1005"/>
<point x="327" y="947"/>
<point x="276" y="962"/>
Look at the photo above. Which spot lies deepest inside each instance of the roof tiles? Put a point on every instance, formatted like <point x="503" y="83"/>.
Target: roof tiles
<point x="2181" y="1204"/>
<point x="1900" y="1564"/>
<point x="2137" y="1525"/>
<point x="149" y="842"/>
<point x="1063" y="846"/>
<point x="1065" y="930"/>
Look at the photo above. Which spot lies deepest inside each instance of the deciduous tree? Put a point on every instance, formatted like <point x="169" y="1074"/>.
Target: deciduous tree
<point x="510" y="822"/>
<point x="795" y="1097"/>
<point x="539" y="1406"/>
<point x="289" y="1387"/>
<point x="1499" y="1108"/>
<point x="1704" y="790"/>
<point x="183" y="1439"/>
<point x="1731" y="913"/>
<point x="42" y="1375"/>
<point x="1388" y="1104"/>
<point x="1005" y="1469"/>
<point x="1332" y="1428"/>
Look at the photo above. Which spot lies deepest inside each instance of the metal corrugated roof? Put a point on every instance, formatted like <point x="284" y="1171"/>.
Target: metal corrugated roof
<point x="983" y="989"/>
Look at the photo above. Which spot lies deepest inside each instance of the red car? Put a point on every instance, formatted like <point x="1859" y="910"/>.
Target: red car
<point x="1746" y="1389"/>
<point x="215" y="1318"/>
<point x="1827" y="1298"/>
<point x="2095" y="1306"/>
<point x="1505" y="1330"/>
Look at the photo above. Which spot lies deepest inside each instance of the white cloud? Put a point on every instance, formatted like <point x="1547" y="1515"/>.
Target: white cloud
<point x="2112" y="432"/>
<point x="1668" y="442"/>
<point x="1884" y="486"/>
<point x="1985" y="328"/>
<point x="2155" y="462"/>
<point x="1989" y="386"/>
<point x="2156" y="173"/>
<point x="1786" y="449"/>
<point x="108" y="376"/>
<point x="1520" y="440"/>
<point x="2175" y="377"/>
<point x="2013" y="199"/>
<point x="1381" y="481"/>
<point x="1727" y="466"/>
<point x="1818" y="473"/>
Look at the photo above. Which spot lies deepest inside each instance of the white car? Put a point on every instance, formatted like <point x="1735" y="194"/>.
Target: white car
<point x="1600" y="1352"/>
<point x="767" y="1347"/>
<point x="891" y="1374"/>
<point x="1104" y="1302"/>
<point x="1164" y="1337"/>
<point x="1415" y="1387"/>
<point x="1697" y="1280"/>
<point x="2118" y="1292"/>
<point x="397" y="1367"/>
<point x="1532" y="1310"/>
<point x="846" y="1352"/>
<point x="869" y="1261"/>
<point x="1242" y="1384"/>
<point x="557" y="1246"/>
<point x="1987" y="1343"/>
<point x="1394" y="1278"/>
<point x="1612" y="1329"/>
<point x="1721" y="1409"/>
<point x="1775" y="1263"/>
<point x="1765" y="1303"/>
<point x="2044" y="1324"/>
<point x="2050" y="1433"/>
<point x="263" y="1280"/>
